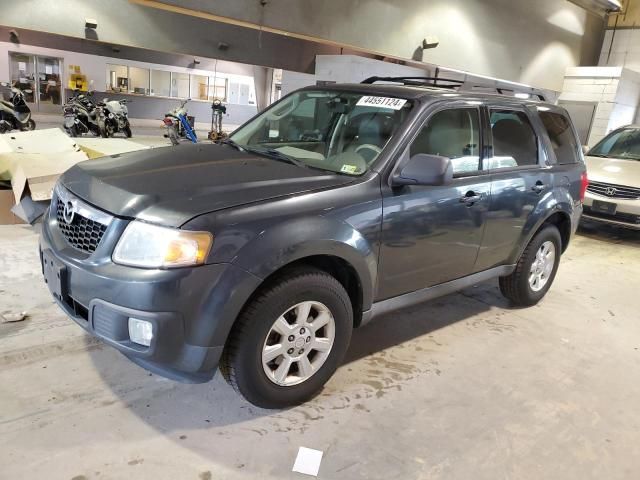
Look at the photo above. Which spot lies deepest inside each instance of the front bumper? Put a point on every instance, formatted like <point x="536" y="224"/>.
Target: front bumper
<point x="191" y="309"/>
<point x="627" y="213"/>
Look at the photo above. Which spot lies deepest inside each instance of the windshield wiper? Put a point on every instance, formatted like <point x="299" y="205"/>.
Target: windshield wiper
<point x="276" y="155"/>
<point x="232" y="144"/>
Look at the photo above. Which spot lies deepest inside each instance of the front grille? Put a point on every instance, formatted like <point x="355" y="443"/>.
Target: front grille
<point x="613" y="191"/>
<point x="618" y="217"/>
<point x="82" y="233"/>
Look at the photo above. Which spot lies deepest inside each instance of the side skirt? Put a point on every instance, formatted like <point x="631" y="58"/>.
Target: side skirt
<point x="429" y="293"/>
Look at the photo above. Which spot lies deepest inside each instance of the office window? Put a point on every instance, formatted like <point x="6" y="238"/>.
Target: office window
<point x="199" y="87"/>
<point x="180" y="85"/>
<point x="160" y="83"/>
<point x="117" y="78"/>
<point x="139" y="80"/>
<point x="217" y="88"/>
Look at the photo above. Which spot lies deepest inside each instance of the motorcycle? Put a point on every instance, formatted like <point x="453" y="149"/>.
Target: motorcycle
<point x="80" y="115"/>
<point x="179" y="125"/>
<point x="15" y="114"/>
<point x="113" y="117"/>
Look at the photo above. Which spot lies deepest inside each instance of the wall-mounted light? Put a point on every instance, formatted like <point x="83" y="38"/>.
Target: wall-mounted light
<point x="14" y="37"/>
<point x="430" y="41"/>
<point x="91" y="23"/>
<point x="614" y="5"/>
<point x="196" y="61"/>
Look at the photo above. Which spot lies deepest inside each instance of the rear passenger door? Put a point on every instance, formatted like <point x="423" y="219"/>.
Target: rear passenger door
<point x="520" y="182"/>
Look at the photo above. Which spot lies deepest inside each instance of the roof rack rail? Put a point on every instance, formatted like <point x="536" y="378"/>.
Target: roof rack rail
<point x="448" y="83"/>
<point x="418" y="81"/>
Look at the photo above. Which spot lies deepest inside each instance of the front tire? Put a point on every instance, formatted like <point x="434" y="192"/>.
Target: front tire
<point x="289" y="340"/>
<point x="127" y="131"/>
<point x="536" y="269"/>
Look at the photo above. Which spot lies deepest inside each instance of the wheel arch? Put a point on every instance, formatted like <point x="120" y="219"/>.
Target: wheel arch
<point x="560" y="219"/>
<point x="339" y="268"/>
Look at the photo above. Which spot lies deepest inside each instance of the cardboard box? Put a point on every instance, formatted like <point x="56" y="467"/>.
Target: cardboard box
<point x="6" y="203"/>
<point x="36" y="174"/>
<point x="34" y="160"/>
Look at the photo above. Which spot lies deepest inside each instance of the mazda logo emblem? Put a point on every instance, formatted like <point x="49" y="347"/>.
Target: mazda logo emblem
<point x="610" y="191"/>
<point x="69" y="212"/>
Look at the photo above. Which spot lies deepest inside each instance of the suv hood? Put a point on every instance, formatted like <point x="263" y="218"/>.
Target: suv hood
<point x="613" y="170"/>
<point x="171" y="185"/>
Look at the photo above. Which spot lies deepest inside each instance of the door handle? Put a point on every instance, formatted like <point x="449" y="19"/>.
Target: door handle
<point x="538" y="187"/>
<point x="470" y="198"/>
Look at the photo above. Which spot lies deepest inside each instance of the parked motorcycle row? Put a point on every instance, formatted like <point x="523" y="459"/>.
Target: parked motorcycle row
<point x="15" y="114"/>
<point x="104" y="118"/>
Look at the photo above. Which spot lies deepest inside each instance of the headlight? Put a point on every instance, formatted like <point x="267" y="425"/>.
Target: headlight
<point x="150" y="246"/>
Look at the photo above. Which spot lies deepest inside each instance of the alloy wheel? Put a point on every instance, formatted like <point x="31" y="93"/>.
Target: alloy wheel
<point x="298" y="343"/>
<point x="542" y="266"/>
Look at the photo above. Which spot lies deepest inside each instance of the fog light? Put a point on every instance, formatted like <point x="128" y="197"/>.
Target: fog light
<point x="140" y="331"/>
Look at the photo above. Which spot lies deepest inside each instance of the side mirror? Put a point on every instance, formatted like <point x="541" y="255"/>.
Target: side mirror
<point x="423" y="169"/>
<point x="585" y="149"/>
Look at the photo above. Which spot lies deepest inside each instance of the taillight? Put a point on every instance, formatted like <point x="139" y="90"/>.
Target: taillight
<point x="168" y="122"/>
<point x="584" y="183"/>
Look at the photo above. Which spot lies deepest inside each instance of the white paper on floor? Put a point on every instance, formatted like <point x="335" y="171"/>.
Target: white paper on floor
<point x="308" y="461"/>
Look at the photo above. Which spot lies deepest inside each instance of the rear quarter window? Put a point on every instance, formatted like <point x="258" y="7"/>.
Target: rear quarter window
<point x="564" y="142"/>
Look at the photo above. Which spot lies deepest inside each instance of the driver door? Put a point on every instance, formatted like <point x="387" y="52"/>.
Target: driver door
<point x="432" y="234"/>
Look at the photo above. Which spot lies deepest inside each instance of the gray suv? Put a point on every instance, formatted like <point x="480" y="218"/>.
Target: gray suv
<point x="335" y="205"/>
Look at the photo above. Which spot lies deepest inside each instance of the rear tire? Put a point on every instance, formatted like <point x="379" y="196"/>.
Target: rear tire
<point x="300" y="297"/>
<point x="535" y="270"/>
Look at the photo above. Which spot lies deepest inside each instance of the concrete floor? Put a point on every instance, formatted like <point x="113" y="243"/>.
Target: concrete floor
<point x="459" y="388"/>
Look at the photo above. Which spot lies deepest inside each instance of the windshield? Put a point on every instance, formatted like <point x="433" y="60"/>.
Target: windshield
<point x="623" y="144"/>
<point x="330" y="130"/>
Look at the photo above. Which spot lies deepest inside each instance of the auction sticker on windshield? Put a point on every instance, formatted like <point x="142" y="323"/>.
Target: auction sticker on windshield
<point x="383" y="102"/>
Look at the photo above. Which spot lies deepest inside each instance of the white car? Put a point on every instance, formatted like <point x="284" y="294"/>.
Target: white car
<point x="613" y="167"/>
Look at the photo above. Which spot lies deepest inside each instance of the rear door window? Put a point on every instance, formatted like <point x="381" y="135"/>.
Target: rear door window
<point x="564" y="142"/>
<point x="514" y="141"/>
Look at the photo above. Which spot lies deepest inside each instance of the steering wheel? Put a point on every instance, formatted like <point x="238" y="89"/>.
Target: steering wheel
<point x="369" y="146"/>
<point x="277" y="113"/>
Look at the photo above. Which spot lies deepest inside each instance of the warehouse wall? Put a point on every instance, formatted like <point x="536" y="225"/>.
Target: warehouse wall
<point x="615" y="90"/>
<point x="525" y="41"/>
<point x="623" y="51"/>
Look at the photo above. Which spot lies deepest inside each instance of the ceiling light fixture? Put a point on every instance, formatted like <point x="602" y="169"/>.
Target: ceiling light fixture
<point x="616" y="6"/>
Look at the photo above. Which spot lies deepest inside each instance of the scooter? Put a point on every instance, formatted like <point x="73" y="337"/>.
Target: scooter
<point x="80" y="115"/>
<point x="15" y="114"/>
<point x="113" y="117"/>
<point x="178" y="125"/>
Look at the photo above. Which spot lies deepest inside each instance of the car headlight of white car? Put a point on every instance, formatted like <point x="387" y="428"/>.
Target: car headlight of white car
<point x="151" y="246"/>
